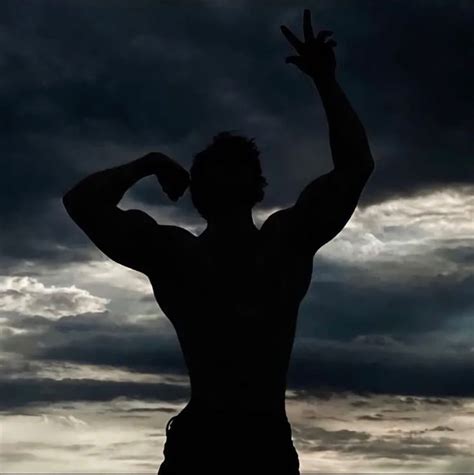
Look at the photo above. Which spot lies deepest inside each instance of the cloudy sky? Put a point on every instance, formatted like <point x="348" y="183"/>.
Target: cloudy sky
<point x="382" y="375"/>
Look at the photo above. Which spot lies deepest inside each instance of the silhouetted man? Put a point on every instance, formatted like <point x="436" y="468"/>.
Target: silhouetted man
<point x="233" y="292"/>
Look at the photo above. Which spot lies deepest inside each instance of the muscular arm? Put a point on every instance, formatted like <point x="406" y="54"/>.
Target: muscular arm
<point x="349" y="145"/>
<point x="327" y="202"/>
<point x="131" y="238"/>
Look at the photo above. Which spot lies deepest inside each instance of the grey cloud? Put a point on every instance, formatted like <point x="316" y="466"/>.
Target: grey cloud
<point x="318" y="439"/>
<point x="345" y="309"/>
<point x="343" y="366"/>
<point x="408" y="448"/>
<point x="33" y="392"/>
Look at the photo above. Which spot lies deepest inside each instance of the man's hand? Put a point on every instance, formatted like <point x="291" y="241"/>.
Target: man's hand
<point x="316" y="56"/>
<point x="173" y="178"/>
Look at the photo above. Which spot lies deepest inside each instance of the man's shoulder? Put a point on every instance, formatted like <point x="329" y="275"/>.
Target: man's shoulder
<point x="277" y="223"/>
<point x="279" y="230"/>
<point x="283" y="228"/>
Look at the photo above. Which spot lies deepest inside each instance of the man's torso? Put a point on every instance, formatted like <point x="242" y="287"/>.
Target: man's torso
<point x="234" y="307"/>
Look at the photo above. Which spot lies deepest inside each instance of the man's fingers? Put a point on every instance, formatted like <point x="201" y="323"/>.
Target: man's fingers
<point x="297" y="44"/>
<point x="323" y="34"/>
<point x="307" y="28"/>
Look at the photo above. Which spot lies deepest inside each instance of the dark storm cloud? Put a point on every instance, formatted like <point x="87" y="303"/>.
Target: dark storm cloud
<point x="22" y="392"/>
<point x="87" y="85"/>
<point x="345" y="309"/>
<point x="461" y="254"/>
<point x="96" y="339"/>
<point x="351" y="366"/>
<point x="139" y="353"/>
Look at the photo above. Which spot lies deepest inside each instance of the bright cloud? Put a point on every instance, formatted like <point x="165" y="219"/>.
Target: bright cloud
<point x="404" y="238"/>
<point x="28" y="296"/>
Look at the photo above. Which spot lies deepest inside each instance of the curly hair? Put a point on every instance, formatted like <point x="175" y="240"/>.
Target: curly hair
<point x="227" y="172"/>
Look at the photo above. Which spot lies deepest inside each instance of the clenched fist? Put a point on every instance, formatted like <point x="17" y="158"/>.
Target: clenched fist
<point x="173" y="178"/>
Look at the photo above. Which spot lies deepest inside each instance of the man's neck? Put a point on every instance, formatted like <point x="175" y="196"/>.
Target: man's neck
<point x="231" y="225"/>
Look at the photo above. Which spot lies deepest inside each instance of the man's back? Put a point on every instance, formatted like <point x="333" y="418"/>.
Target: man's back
<point x="234" y="303"/>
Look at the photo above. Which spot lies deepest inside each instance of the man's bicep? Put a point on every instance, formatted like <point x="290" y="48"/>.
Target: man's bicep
<point x="325" y="206"/>
<point x="129" y="237"/>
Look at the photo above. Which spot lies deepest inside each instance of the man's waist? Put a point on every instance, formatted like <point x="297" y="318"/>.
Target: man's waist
<point x="237" y="411"/>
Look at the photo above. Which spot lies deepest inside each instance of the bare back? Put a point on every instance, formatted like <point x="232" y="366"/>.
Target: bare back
<point x="234" y="306"/>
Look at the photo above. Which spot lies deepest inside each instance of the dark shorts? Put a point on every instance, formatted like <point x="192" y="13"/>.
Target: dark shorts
<point x="224" y="444"/>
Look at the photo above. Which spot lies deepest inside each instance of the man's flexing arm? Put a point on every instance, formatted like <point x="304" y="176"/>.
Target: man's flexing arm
<point x="327" y="203"/>
<point x="131" y="238"/>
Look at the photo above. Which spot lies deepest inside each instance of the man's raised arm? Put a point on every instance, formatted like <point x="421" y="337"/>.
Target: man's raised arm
<point x="327" y="203"/>
<point x="131" y="238"/>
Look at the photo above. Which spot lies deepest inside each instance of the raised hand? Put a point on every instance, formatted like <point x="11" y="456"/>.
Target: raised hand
<point x="315" y="55"/>
<point x="173" y="178"/>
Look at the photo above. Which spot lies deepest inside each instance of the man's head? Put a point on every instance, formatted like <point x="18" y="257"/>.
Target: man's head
<point x="226" y="176"/>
